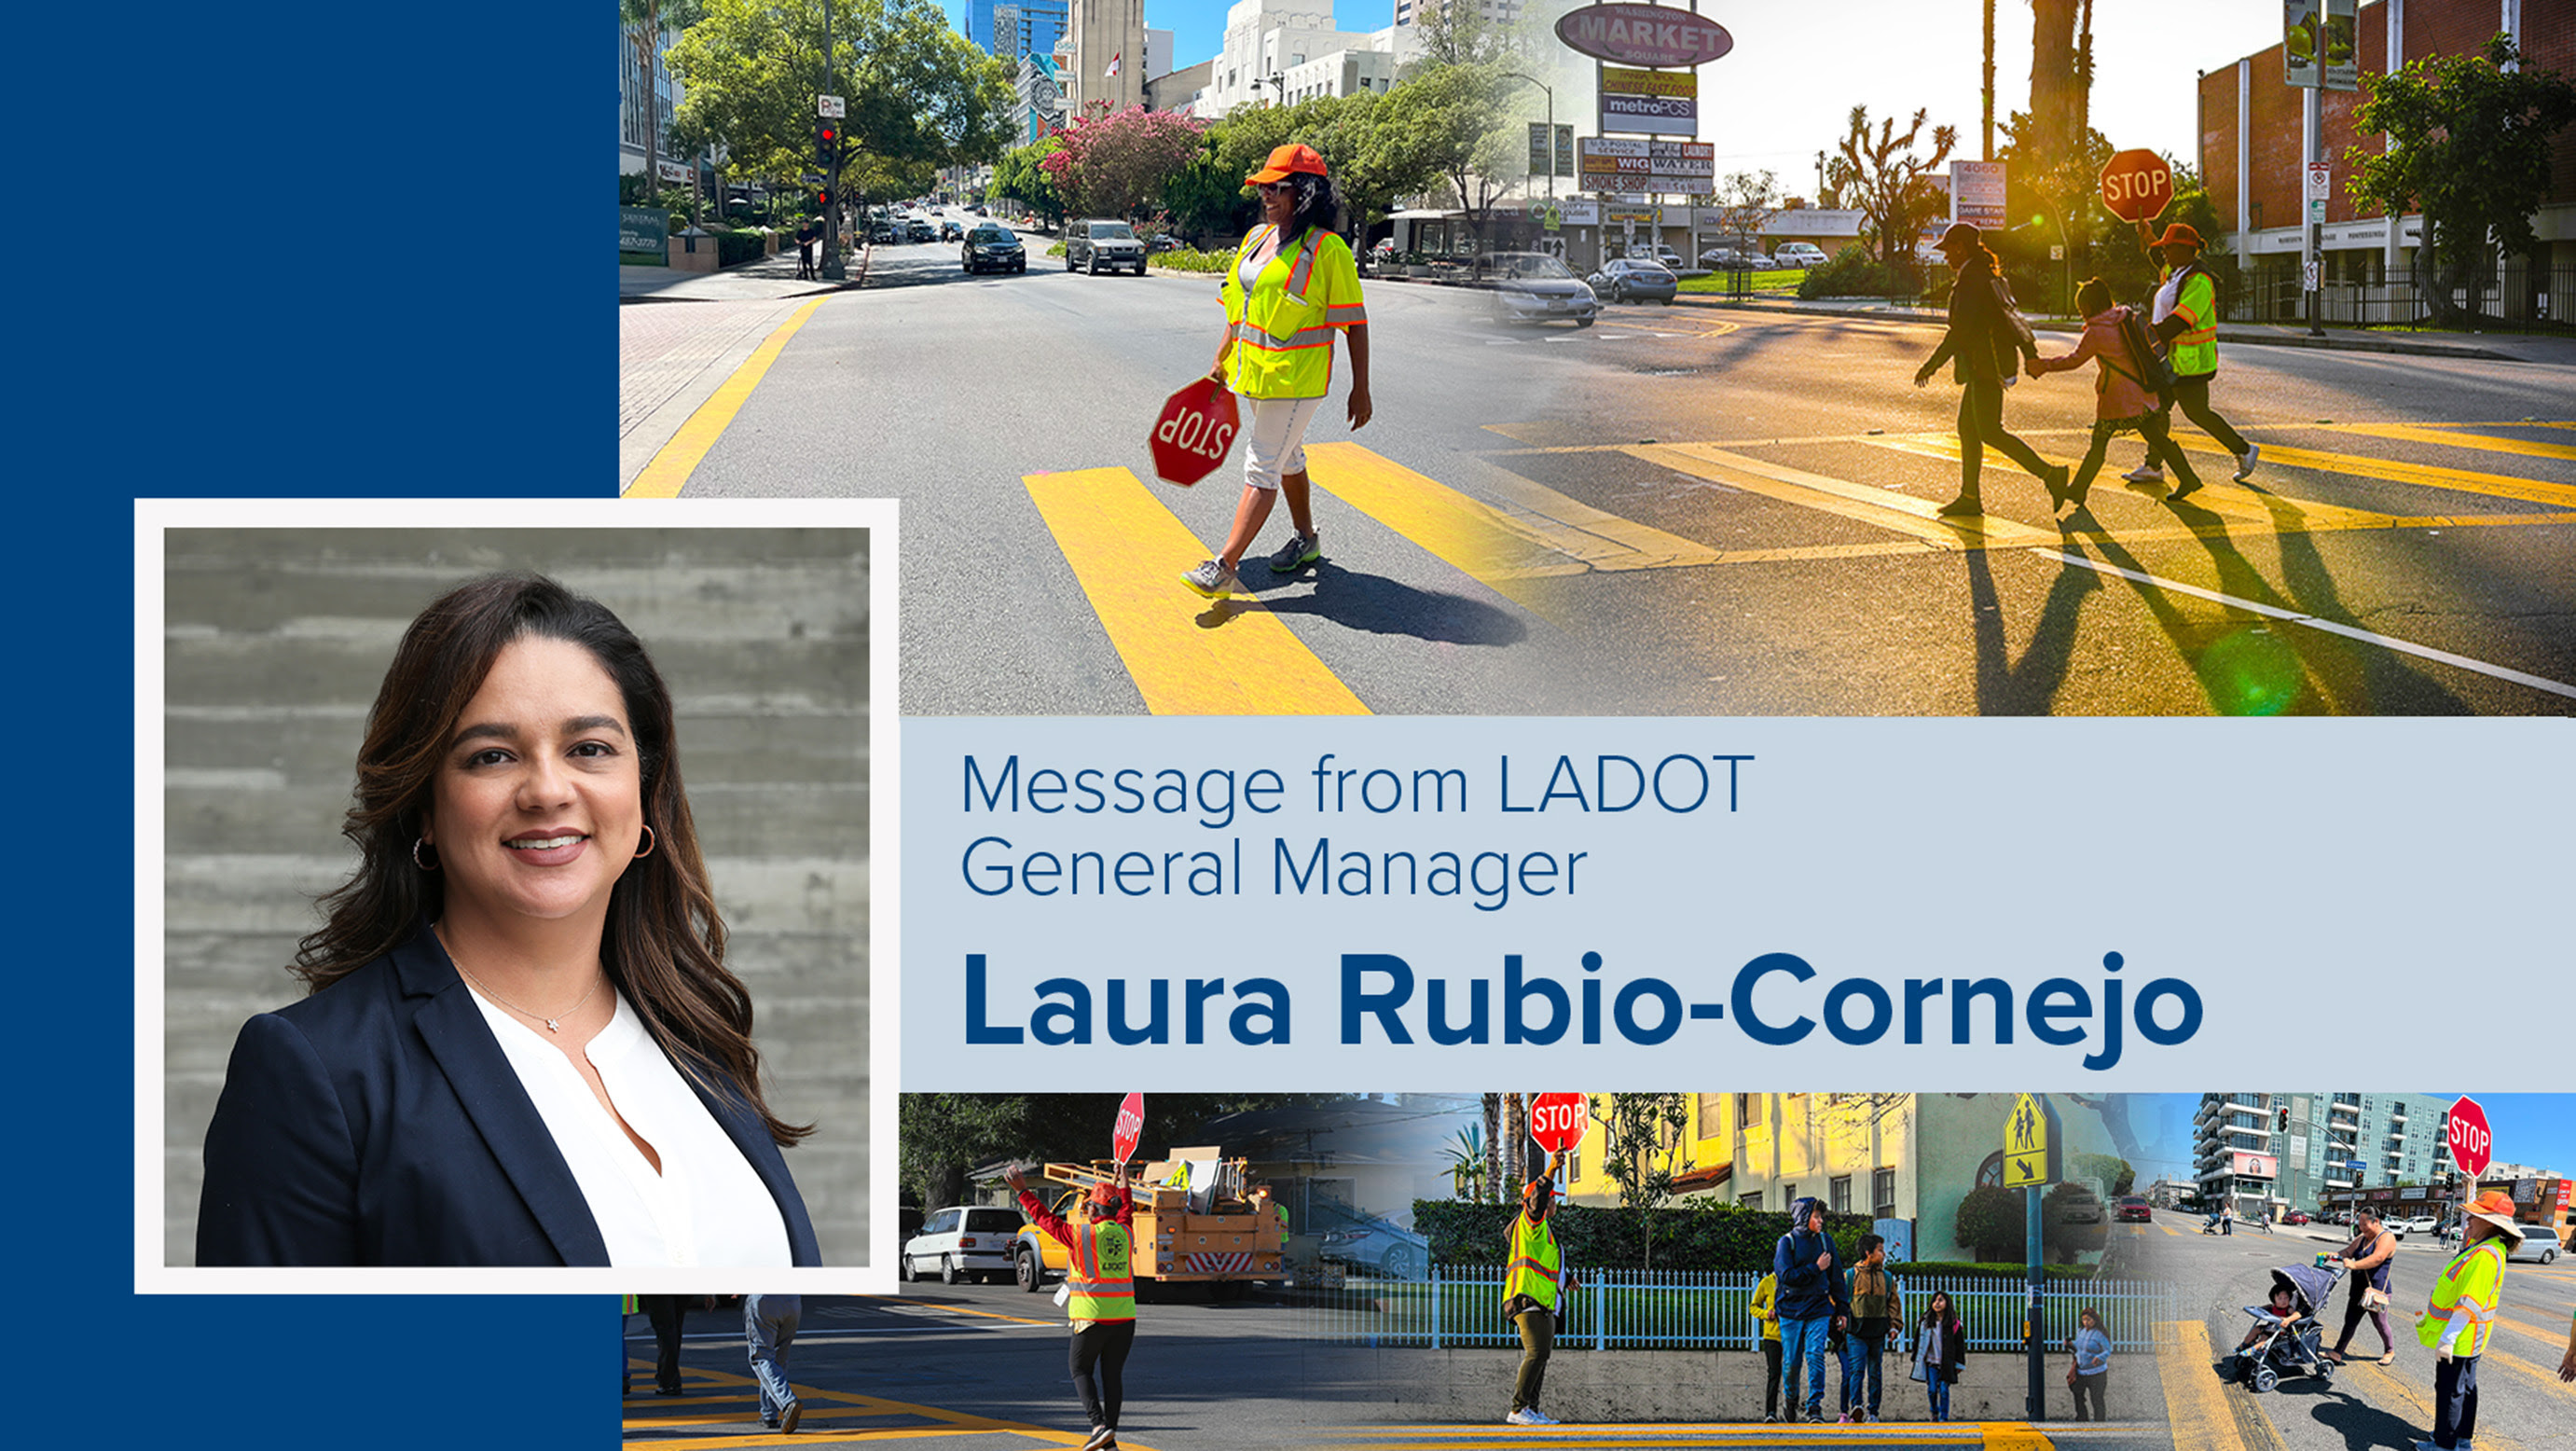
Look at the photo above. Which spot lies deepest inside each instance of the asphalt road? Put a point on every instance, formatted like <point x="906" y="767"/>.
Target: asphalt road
<point x="1683" y="509"/>
<point x="2523" y="1406"/>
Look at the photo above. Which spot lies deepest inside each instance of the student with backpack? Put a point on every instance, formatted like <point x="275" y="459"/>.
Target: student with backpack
<point x="1808" y="1271"/>
<point x="1988" y="339"/>
<point x="2130" y="393"/>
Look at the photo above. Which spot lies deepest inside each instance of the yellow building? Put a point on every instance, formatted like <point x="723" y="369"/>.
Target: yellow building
<point x="1902" y="1156"/>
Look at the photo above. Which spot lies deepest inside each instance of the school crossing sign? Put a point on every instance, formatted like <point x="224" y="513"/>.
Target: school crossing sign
<point x="2033" y="1143"/>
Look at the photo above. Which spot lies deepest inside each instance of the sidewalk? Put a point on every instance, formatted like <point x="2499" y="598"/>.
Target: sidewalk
<point x="2495" y="347"/>
<point x="765" y="279"/>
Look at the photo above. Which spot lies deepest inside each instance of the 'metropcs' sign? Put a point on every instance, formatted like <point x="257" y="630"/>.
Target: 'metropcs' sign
<point x="1644" y="35"/>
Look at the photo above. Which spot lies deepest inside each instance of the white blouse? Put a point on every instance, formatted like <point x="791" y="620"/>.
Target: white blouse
<point x="705" y="1207"/>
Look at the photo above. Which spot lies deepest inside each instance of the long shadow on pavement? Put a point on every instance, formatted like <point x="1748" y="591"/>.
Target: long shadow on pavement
<point x="1384" y="606"/>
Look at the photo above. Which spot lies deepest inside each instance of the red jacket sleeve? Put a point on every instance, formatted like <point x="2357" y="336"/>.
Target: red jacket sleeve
<point x="1056" y="1229"/>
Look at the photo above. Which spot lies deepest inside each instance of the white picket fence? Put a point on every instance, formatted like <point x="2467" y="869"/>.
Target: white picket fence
<point x="1462" y="1306"/>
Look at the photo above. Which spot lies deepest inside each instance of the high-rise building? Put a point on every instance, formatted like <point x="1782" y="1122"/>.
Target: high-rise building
<point x="2285" y="1150"/>
<point x="1023" y="28"/>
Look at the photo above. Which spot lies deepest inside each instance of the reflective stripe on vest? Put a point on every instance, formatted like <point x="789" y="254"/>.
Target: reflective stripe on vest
<point x="1532" y="1270"/>
<point x="2194" y="351"/>
<point x="2472" y="1281"/>
<point x="1097" y="1274"/>
<point x="1283" y="339"/>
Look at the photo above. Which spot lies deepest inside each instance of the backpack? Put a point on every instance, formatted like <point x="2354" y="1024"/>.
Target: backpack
<point x="2014" y="323"/>
<point x="2153" y="373"/>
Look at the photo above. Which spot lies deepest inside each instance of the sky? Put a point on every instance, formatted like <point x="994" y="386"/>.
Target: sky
<point x="2538" y="1129"/>
<point x="1788" y="88"/>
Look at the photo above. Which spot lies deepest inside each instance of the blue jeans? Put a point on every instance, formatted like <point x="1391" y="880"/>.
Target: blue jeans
<point x="769" y="1324"/>
<point x="1938" y="1387"/>
<point x="1861" y="1357"/>
<point x="1802" y="1346"/>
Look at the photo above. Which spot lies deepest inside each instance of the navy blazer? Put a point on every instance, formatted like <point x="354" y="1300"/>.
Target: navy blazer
<point x="378" y="1122"/>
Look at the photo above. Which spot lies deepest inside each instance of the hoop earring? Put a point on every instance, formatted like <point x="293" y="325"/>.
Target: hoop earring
<point x="416" y="844"/>
<point x="650" y="841"/>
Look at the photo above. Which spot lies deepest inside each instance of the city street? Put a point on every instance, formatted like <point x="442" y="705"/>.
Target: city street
<point x="1683" y="509"/>
<point x="2523" y="1406"/>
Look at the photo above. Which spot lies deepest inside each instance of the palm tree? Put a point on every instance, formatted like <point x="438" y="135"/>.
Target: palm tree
<point x="1493" y="1105"/>
<point x="645" y="21"/>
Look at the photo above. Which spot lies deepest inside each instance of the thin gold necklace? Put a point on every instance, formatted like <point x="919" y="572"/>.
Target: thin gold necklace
<point x="553" y="1025"/>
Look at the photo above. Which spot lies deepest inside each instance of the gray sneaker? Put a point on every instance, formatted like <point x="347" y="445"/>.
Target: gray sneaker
<point x="1299" y="551"/>
<point x="2246" y="461"/>
<point x="2145" y="474"/>
<point x="1213" y="579"/>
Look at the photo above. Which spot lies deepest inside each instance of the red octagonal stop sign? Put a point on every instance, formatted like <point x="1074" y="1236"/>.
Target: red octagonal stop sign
<point x="2136" y="185"/>
<point x="2472" y="1143"/>
<point x="1557" y="1120"/>
<point x="1131" y="1124"/>
<point x="1195" y="431"/>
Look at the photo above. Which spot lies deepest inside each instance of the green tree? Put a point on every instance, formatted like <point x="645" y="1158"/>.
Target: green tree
<point x="1447" y="122"/>
<point x="1882" y="179"/>
<point x="1991" y="1224"/>
<point x="2114" y="1172"/>
<point x="2470" y="149"/>
<point x="1641" y="1139"/>
<point x="1021" y="176"/>
<point x="645" y="22"/>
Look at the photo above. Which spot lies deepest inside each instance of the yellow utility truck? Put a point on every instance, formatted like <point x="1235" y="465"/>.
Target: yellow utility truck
<point x="1194" y="1223"/>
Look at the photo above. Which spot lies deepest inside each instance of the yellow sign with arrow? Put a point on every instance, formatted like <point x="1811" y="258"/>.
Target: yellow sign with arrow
<point x="2032" y="1143"/>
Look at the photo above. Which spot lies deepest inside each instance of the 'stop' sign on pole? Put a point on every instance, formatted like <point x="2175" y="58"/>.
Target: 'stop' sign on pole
<point x="1557" y="1120"/>
<point x="2137" y="186"/>
<point x="1131" y="1123"/>
<point x="2472" y="1143"/>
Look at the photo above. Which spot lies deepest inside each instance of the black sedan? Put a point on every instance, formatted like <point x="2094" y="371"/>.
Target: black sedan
<point x="991" y="247"/>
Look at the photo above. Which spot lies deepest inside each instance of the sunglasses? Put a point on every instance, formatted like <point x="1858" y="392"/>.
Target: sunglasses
<point x="1274" y="186"/>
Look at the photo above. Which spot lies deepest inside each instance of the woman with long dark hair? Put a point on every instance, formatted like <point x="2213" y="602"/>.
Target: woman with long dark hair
<point x="1293" y="285"/>
<point x="521" y="1045"/>
<point x="1989" y="351"/>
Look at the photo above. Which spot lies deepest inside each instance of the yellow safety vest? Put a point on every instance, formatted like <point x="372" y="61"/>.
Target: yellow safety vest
<point x="1097" y="1273"/>
<point x="2193" y="353"/>
<point x="1532" y="1270"/>
<point x="2474" y="1281"/>
<point x="1283" y="330"/>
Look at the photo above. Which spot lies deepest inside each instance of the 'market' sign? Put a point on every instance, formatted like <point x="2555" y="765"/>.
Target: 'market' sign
<point x="1644" y="35"/>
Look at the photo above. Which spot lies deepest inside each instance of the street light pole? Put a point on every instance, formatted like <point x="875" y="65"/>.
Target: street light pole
<point x="1550" y="92"/>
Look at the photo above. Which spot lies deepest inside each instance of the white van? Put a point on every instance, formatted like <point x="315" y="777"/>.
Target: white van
<point x="2539" y="1242"/>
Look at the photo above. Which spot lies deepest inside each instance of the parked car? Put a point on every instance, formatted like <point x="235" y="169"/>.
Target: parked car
<point x="1626" y="278"/>
<point x="1799" y="254"/>
<point x="1533" y="287"/>
<point x="919" y="229"/>
<point x="881" y="232"/>
<point x="1380" y="1246"/>
<point x="2295" y="1216"/>
<point x="2081" y="1206"/>
<point x="1723" y="259"/>
<point x="963" y="1241"/>
<point x="2134" y="1207"/>
<point x="992" y="247"/>
<point x="1100" y="246"/>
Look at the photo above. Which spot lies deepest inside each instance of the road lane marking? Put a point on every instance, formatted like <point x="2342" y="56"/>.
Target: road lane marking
<point x="2226" y="500"/>
<point x="2454" y="438"/>
<point x="1185" y="655"/>
<point x="823" y="1403"/>
<point x="927" y="1310"/>
<point x="669" y="471"/>
<point x="1885" y="508"/>
<point x="2198" y="1410"/>
<point x="1493" y="542"/>
<point x="2313" y="622"/>
<point x="2431" y="476"/>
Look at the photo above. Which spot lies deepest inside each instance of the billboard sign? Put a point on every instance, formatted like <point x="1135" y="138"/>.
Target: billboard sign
<point x="1658" y="102"/>
<point x="2256" y="1166"/>
<point x="1977" y="194"/>
<point x="2320" y="44"/>
<point x="1624" y="164"/>
<point x="2341" y="45"/>
<point x="643" y="229"/>
<point x="1644" y="35"/>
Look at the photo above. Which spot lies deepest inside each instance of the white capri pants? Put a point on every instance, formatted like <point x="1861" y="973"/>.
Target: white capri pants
<point x="1275" y="443"/>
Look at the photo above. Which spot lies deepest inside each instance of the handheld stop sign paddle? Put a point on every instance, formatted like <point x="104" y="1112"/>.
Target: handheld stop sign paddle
<point x="1195" y="431"/>
<point x="1131" y="1122"/>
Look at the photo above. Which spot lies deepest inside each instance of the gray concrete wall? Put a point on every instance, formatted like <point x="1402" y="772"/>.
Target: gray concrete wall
<point x="276" y="642"/>
<point x="1611" y="1386"/>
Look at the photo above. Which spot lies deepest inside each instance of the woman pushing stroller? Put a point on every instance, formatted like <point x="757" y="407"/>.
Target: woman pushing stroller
<point x="2286" y="1336"/>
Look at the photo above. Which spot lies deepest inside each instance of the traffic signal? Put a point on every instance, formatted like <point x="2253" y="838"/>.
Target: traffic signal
<point x="827" y="143"/>
<point x="2285" y="1119"/>
<point x="823" y="200"/>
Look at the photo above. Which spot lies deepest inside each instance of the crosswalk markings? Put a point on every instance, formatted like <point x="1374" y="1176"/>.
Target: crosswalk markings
<point x="815" y="1425"/>
<point x="669" y="471"/>
<point x="2454" y="438"/>
<point x="2465" y="481"/>
<point x="1534" y="533"/>
<point x="1669" y="1436"/>
<point x="1185" y="655"/>
<point x="1913" y="517"/>
<point x="2198" y="1410"/>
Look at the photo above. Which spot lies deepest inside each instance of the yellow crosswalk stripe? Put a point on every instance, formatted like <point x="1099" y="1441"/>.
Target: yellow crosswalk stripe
<point x="669" y="471"/>
<point x="1186" y="656"/>
<point x="2466" y="481"/>
<point x="2287" y="515"/>
<point x="2198" y="1410"/>
<point x="1913" y="517"/>
<point x="2454" y="438"/>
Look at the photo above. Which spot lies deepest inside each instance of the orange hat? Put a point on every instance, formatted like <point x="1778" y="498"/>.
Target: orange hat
<point x="2496" y="1207"/>
<point x="1286" y="159"/>
<point x="2178" y="232"/>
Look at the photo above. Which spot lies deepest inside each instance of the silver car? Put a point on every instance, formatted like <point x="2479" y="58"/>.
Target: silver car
<point x="1103" y="246"/>
<point x="1627" y="279"/>
<point x="1533" y="287"/>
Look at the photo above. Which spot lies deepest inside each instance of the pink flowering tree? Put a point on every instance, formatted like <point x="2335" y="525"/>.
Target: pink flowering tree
<point x="1114" y="164"/>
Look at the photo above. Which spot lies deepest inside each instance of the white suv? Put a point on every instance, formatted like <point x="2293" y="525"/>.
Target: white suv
<point x="963" y="1241"/>
<point x="1799" y="254"/>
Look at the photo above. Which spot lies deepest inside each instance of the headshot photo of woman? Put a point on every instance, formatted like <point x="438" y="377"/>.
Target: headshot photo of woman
<point x="525" y="1039"/>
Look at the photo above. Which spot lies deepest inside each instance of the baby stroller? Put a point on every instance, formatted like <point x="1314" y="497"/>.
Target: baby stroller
<point x="2290" y="1345"/>
<point x="2210" y="1225"/>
